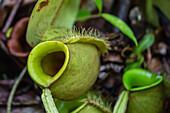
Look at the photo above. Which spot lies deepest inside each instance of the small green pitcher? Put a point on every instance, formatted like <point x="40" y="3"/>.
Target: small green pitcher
<point x="143" y="94"/>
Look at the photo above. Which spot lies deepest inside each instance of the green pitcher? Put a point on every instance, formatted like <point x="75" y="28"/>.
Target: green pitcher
<point x="143" y="93"/>
<point x="67" y="66"/>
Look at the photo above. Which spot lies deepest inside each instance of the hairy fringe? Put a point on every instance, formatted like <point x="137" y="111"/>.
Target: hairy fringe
<point x="90" y="36"/>
<point x="77" y="33"/>
<point x="98" y="103"/>
<point x="83" y="32"/>
<point x="39" y="35"/>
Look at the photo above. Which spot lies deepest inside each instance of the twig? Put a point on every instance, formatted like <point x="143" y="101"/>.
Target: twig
<point x="4" y="48"/>
<point x="11" y="95"/>
<point x="12" y="15"/>
<point x="1" y="2"/>
<point x="89" y="17"/>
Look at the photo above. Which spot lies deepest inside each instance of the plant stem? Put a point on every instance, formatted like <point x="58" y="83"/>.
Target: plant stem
<point x="121" y="103"/>
<point x="89" y="17"/>
<point x="12" y="15"/>
<point x="11" y="95"/>
<point x="79" y="108"/>
<point x="48" y="101"/>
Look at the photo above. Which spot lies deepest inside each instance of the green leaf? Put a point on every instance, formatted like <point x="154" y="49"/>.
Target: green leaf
<point x="49" y="14"/>
<point x="121" y="25"/>
<point x="8" y="33"/>
<point x="145" y="43"/>
<point x="99" y="5"/>
<point x="83" y="15"/>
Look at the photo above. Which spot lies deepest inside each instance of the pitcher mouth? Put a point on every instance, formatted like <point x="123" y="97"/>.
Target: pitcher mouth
<point x="139" y="79"/>
<point x="47" y="61"/>
<point x="52" y="63"/>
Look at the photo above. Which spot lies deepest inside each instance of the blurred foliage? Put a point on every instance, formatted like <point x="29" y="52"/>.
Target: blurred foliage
<point x="136" y="58"/>
<point x="83" y="15"/>
<point x="8" y="33"/>
<point x="150" y="12"/>
<point x="145" y="43"/>
<point x="99" y="5"/>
